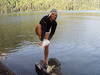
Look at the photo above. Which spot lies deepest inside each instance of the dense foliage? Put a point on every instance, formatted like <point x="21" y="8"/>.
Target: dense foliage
<point x="8" y="6"/>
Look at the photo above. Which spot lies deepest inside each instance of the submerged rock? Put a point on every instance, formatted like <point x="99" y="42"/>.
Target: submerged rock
<point x="53" y="67"/>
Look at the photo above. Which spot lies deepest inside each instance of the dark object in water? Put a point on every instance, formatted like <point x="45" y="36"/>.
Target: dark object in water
<point x="53" y="67"/>
<point x="4" y="70"/>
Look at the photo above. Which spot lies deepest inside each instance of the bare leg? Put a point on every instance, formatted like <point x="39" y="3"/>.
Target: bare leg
<point x="46" y="51"/>
<point x="38" y="32"/>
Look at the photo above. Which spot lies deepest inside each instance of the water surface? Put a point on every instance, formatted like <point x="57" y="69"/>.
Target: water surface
<point x="76" y="44"/>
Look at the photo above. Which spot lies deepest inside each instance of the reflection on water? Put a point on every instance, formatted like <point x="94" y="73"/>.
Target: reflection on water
<point x="3" y="56"/>
<point x="76" y="44"/>
<point x="14" y="30"/>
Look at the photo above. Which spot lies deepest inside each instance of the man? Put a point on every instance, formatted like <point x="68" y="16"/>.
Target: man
<point x="45" y="31"/>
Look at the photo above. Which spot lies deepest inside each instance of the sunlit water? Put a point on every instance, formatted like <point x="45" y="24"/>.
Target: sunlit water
<point x="76" y="44"/>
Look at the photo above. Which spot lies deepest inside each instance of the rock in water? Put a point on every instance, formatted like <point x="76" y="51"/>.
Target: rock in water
<point x="53" y="67"/>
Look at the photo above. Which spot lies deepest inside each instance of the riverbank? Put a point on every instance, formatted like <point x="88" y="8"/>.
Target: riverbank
<point x="60" y="12"/>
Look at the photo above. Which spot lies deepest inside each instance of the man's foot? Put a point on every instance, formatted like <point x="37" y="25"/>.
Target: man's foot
<point x="46" y="61"/>
<point x="44" y="65"/>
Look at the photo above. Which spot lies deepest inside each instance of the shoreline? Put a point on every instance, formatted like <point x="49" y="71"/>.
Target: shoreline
<point x="60" y="12"/>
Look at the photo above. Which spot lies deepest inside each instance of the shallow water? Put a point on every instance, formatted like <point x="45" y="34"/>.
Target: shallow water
<point x="76" y="44"/>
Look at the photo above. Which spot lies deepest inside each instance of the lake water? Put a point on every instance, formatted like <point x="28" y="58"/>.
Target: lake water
<point x="76" y="44"/>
